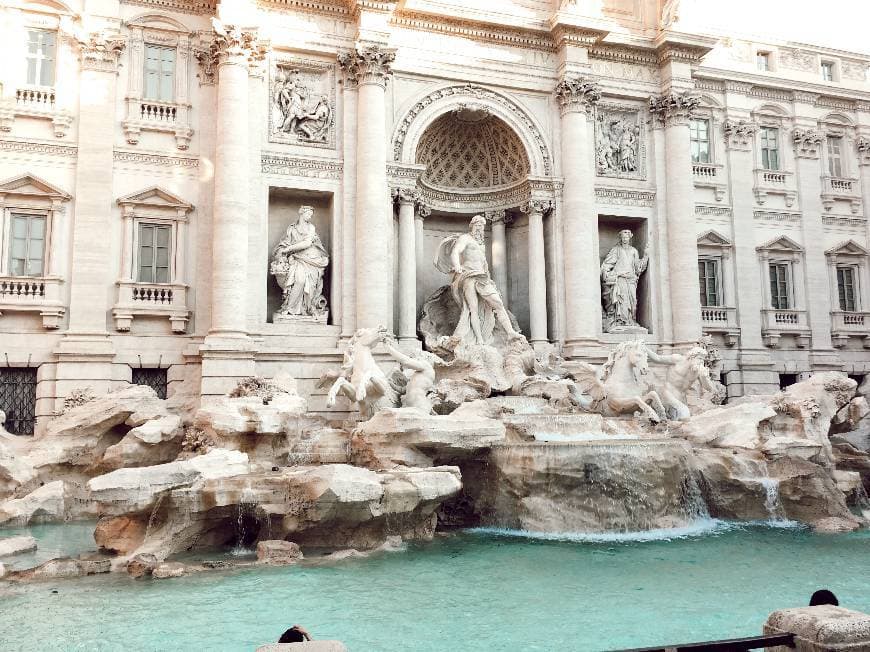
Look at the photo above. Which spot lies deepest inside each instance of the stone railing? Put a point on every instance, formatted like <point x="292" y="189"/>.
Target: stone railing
<point x="849" y="324"/>
<point x="158" y="111"/>
<point x="35" y="97"/>
<point x="39" y="102"/>
<point x="709" y="175"/>
<point x="774" y="182"/>
<point x="721" y="319"/>
<point x="785" y="322"/>
<point x="151" y="299"/>
<point x="33" y="294"/>
<point x="704" y="170"/>
<point x="841" y="189"/>
<point x="155" y="116"/>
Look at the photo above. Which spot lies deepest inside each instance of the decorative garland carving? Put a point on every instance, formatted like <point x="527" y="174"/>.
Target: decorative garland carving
<point x="496" y="217"/>
<point x="807" y="142"/>
<point x="406" y="195"/>
<point x="367" y="64"/>
<point x="862" y="145"/>
<point x="624" y="197"/>
<point x="101" y="51"/>
<point x="304" y="167"/>
<point x="674" y="108"/>
<point x="577" y="94"/>
<point x="739" y="133"/>
<point x="155" y="159"/>
<point x="475" y="92"/>
<point x="542" y="206"/>
<point x="32" y="147"/>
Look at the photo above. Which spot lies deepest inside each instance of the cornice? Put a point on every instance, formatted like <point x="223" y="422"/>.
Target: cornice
<point x="782" y="90"/>
<point x="623" y="54"/>
<point x="334" y="8"/>
<point x="184" y="6"/>
<point x="36" y="147"/>
<point x="476" y="30"/>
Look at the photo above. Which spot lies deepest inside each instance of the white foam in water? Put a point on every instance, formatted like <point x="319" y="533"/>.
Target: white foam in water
<point x="696" y="528"/>
<point x="580" y="436"/>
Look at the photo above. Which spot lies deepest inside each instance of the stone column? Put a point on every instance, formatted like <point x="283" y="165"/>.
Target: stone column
<point x="369" y="66"/>
<point x="672" y="112"/>
<point x="537" y="272"/>
<point x="576" y="97"/>
<point x="498" y="220"/>
<point x="407" y="199"/>
<point x="420" y="214"/>
<point x="862" y="147"/>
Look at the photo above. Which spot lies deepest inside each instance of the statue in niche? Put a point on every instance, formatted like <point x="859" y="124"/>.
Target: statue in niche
<point x="302" y="116"/>
<point x="464" y="258"/>
<point x="620" y="272"/>
<point x="616" y="145"/>
<point x="298" y="263"/>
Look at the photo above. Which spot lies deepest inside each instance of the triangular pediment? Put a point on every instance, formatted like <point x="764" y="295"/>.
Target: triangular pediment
<point x="31" y="186"/>
<point x="847" y="248"/>
<point x="782" y="243"/>
<point x="713" y="239"/>
<point x="155" y="197"/>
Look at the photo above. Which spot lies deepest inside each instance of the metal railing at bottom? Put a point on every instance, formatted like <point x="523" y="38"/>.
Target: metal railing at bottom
<point x="729" y="645"/>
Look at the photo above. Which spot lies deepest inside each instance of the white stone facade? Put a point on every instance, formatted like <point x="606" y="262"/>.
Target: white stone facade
<point x="151" y="158"/>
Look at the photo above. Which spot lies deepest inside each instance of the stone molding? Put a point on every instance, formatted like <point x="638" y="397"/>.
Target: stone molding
<point x="406" y="195"/>
<point x="739" y="134"/>
<point x="623" y="54"/>
<point x="625" y="197"/>
<point x="577" y="94"/>
<point x="303" y="167"/>
<point x="333" y="8"/>
<point x="101" y="51"/>
<point x="712" y="211"/>
<point x="367" y="63"/>
<point x="34" y="147"/>
<point x="155" y="159"/>
<point x="496" y="217"/>
<point x="807" y="142"/>
<point x="197" y="7"/>
<point x="776" y="216"/>
<point x="674" y="108"/>
<point x="542" y="206"/>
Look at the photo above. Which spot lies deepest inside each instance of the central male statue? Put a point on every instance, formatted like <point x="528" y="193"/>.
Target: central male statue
<point x="464" y="257"/>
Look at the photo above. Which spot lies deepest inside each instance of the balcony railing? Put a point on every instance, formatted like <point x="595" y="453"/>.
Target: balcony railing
<point x="774" y="182"/>
<point x="35" y="98"/>
<point x="846" y="324"/>
<point x="705" y="170"/>
<point x="723" y="320"/>
<point x="776" y="322"/>
<point x="151" y="299"/>
<point x="33" y="294"/>
<point x="158" y="112"/>
<point x="22" y="289"/>
<point x="773" y="178"/>
<point x="154" y="294"/>
<point x="841" y="189"/>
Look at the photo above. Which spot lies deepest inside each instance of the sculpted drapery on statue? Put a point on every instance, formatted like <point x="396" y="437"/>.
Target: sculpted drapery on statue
<point x="298" y="263"/>
<point x="464" y="258"/>
<point x="620" y="272"/>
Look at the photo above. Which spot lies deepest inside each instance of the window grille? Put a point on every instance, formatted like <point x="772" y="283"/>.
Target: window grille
<point x="18" y="399"/>
<point x="153" y="378"/>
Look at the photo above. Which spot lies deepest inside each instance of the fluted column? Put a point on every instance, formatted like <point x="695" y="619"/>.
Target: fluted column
<point x="862" y="147"/>
<point x="407" y="199"/>
<point x="369" y="66"/>
<point x="537" y="272"/>
<point x="498" y="220"/>
<point x="672" y="112"/>
<point x="576" y="97"/>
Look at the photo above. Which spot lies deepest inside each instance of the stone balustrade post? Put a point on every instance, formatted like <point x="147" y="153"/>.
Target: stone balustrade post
<point x="407" y="198"/>
<point x="537" y="272"/>
<point x="577" y="96"/>
<point x="672" y="112"/>
<point x="498" y="221"/>
<point x="369" y="66"/>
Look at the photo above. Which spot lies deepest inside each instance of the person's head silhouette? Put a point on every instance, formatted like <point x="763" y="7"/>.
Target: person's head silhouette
<point x="823" y="596"/>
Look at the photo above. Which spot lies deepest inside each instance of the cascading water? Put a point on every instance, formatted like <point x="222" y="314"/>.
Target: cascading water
<point x="772" y="503"/>
<point x="862" y="501"/>
<point x="247" y="525"/>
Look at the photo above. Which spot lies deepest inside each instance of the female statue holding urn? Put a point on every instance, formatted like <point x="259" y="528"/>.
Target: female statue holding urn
<point x="619" y="275"/>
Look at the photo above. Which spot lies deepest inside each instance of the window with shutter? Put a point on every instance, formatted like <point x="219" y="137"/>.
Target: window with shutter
<point x="846" y="288"/>
<point x="835" y="156"/>
<point x="779" y="286"/>
<point x="40" y="57"/>
<point x="159" y="73"/>
<point x="27" y="251"/>
<point x="154" y="242"/>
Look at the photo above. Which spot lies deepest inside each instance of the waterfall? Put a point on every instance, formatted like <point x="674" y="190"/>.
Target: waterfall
<point x="862" y="501"/>
<point x="246" y="515"/>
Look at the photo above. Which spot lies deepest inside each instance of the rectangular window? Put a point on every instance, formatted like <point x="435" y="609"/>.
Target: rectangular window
<point x="159" y="73"/>
<point x="835" y="156"/>
<point x="846" y="289"/>
<point x="156" y="379"/>
<point x="762" y="60"/>
<point x="827" y="70"/>
<point x="18" y="399"/>
<point x="779" y="286"/>
<point x="700" y="136"/>
<point x="769" y="148"/>
<point x="40" y="57"/>
<point x="27" y="250"/>
<point x="154" y="253"/>
<point x="708" y="275"/>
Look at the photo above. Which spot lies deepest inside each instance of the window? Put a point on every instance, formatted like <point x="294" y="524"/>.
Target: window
<point x="779" y="286"/>
<point x="27" y="253"/>
<point x="769" y="148"/>
<point x="154" y="253"/>
<point x="18" y="399"/>
<point x="708" y="276"/>
<point x="700" y="136"/>
<point x="156" y="379"/>
<point x="787" y="380"/>
<point x="846" y="289"/>
<point x="40" y="57"/>
<point x="835" y="156"/>
<point x="828" y="70"/>
<point x="159" y="73"/>
<point x="762" y="61"/>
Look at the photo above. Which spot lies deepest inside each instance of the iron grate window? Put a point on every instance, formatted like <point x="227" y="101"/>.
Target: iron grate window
<point x="153" y="378"/>
<point x="18" y="399"/>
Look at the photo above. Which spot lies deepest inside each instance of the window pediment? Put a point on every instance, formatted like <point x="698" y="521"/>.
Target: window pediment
<point x="847" y="248"/>
<point x="28" y="185"/>
<point x="713" y="239"/>
<point x="782" y="244"/>
<point x="155" y="200"/>
<point x="159" y="22"/>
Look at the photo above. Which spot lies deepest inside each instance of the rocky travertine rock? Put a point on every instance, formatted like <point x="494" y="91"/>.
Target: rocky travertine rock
<point x="734" y="486"/>
<point x="48" y="503"/>
<point x="15" y="473"/>
<point x="407" y="437"/>
<point x="16" y="545"/>
<point x="834" y="525"/>
<point x="335" y="506"/>
<point x="121" y="534"/>
<point x="2" y="571"/>
<point x="278" y="553"/>
<point x="320" y="445"/>
<point x="154" y="442"/>
<point x="808" y="492"/>
<point x="141" y="565"/>
<point x="168" y="570"/>
<point x="821" y="628"/>
<point x="726" y="427"/>
<point x="62" y="568"/>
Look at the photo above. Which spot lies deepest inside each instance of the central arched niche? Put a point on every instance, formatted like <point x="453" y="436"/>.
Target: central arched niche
<point x="470" y="155"/>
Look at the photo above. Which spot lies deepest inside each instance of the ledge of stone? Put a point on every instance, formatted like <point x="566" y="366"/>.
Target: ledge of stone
<point x="822" y="628"/>
<point x="307" y="646"/>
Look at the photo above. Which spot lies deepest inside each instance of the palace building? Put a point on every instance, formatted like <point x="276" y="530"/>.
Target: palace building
<point x="154" y="153"/>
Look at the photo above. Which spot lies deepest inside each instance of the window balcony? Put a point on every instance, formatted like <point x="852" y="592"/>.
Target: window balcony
<point x="151" y="299"/>
<point x="775" y="323"/>
<point x="153" y="115"/>
<point x="709" y="175"/>
<point x="35" y="102"/>
<point x="846" y="324"/>
<point x="841" y="189"/>
<point x="33" y="294"/>
<point x="774" y="182"/>
<point x="721" y="319"/>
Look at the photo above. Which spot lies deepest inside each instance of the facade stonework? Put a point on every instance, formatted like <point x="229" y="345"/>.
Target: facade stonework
<point x="153" y="159"/>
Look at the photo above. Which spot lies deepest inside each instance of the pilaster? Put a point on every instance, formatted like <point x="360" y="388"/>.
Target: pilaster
<point x="537" y="271"/>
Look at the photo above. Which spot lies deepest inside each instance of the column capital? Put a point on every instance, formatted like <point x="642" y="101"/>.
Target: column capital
<point x="807" y="142"/>
<point x="498" y="217"/>
<point x="406" y="195"/>
<point x="537" y="206"/>
<point x="423" y="210"/>
<point x="674" y="108"/>
<point x="367" y="63"/>
<point x="231" y="45"/>
<point x="101" y="51"/>
<point x="577" y="94"/>
<point x="862" y="145"/>
<point x="739" y="133"/>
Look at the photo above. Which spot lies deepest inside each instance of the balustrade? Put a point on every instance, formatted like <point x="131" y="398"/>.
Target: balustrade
<point x="35" y="98"/>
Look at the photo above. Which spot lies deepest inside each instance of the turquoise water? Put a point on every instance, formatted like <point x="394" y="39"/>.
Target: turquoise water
<point x="481" y="590"/>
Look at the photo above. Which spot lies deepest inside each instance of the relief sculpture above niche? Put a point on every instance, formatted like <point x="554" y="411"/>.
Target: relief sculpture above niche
<point x="302" y="103"/>
<point x="619" y="143"/>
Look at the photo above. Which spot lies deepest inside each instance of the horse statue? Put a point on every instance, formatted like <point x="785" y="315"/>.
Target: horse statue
<point x="360" y="380"/>
<point x="621" y="387"/>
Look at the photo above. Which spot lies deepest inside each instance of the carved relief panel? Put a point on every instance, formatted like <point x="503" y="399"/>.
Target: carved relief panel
<point x="620" y="149"/>
<point x="302" y="103"/>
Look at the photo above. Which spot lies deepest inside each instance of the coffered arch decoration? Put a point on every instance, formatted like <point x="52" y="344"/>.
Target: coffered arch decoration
<point x="471" y="98"/>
